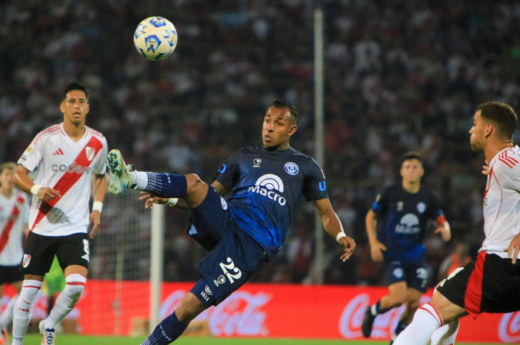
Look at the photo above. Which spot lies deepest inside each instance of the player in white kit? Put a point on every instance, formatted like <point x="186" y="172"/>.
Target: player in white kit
<point x="68" y="161"/>
<point x="14" y="214"/>
<point x="490" y="283"/>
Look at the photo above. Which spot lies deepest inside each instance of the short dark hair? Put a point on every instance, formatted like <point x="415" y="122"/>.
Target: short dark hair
<point x="281" y="104"/>
<point x="75" y="86"/>
<point x="411" y="155"/>
<point x="501" y="115"/>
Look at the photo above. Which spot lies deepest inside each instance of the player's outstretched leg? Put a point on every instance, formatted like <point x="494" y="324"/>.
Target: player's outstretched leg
<point x="397" y="296"/>
<point x="172" y="327"/>
<point x="121" y="177"/>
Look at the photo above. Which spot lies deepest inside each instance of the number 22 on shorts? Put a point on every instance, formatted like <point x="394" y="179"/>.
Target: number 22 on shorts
<point x="231" y="267"/>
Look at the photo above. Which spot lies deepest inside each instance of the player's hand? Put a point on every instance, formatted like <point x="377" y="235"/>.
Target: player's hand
<point x="95" y="218"/>
<point x="152" y="199"/>
<point x="485" y="168"/>
<point x="348" y="246"/>
<point x="445" y="233"/>
<point x="47" y="194"/>
<point x="514" y="248"/>
<point x="376" y="251"/>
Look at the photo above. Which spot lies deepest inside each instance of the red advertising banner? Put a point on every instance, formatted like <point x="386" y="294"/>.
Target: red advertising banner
<point x="266" y="310"/>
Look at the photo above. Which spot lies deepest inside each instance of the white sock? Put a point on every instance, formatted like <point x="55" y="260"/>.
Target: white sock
<point x="7" y="315"/>
<point x="425" y="322"/>
<point x="66" y="300"/>
<point x="447" y="334"/>
<point x="23" y="309"/>
<point x="140" y="180"/>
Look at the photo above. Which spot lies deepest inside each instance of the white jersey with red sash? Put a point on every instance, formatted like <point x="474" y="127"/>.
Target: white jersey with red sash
<point x="502" y="202"/>
<point x="14" y="214"/>
<point x="68" y="167"/>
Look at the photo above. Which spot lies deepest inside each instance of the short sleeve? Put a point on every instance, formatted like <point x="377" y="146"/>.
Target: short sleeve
<point x="229" y="172"/>
<point x="507" y="172"/>
<point x="100" y="166"/>
<point x="380" y="205"/>
<point x="315" y="187"/>
<point x="32" y="156"/>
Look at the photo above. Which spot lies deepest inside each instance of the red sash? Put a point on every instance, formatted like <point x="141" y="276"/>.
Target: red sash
<point x="4" y="238"/>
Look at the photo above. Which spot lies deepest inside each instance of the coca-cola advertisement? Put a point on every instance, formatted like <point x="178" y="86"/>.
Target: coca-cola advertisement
<point x="267" y="310"/>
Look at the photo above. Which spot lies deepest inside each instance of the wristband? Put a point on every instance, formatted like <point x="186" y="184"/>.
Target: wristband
<point x="172" y="201"/>
<point x="340" y="236"/>
<point x="98" y="206"/>
<point x="35" y="189"/>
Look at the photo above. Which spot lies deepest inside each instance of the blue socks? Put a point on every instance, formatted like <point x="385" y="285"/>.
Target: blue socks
<point x="400" y="327"/>
<point x="167" y="331"/>
<point x="166" y="185"/>
<point x="376" y="309"/>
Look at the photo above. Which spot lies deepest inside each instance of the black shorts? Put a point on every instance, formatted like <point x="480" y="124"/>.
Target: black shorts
<point x="40" y="251"/>
<point x="11" y="274"/>
<point x="488" y="284"/>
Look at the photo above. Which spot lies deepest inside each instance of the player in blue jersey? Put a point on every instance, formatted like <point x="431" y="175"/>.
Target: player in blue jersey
<point x="396" y="226"/>
<point x="267" y="182"/>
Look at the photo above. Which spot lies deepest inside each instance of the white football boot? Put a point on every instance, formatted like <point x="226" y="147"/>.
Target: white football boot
<point x="48" y="334"/>
<point x="120" y="175"/>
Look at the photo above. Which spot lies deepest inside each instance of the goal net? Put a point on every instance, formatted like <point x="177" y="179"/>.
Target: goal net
<point x="117" y="297"/>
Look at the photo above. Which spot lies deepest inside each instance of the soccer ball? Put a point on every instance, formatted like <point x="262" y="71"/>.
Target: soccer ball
<point x="155" y="38"/>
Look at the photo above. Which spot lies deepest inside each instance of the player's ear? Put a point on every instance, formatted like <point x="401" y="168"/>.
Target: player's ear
<point x="62" y="107"/>
<point x="292" y="130"/>
<point x="488" y="130"/>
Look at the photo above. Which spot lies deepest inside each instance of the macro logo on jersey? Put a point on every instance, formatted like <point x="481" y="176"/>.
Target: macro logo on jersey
<point x="268" y="185"/>
<point x="291" y="168"/>
<point x="73" y="168"/>
<point x="409" y="225"/>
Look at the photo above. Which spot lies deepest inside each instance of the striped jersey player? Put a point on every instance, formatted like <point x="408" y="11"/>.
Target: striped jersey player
<point x="14" y="212"/>
<point x="67" y="165"/>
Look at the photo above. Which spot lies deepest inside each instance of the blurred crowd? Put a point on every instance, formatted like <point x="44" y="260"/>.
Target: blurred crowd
<point x="400" y="75"/>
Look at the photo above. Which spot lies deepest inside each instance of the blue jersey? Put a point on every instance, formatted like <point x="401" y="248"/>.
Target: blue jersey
<point x="266" y="187"/>
<point x="402" y="220"/>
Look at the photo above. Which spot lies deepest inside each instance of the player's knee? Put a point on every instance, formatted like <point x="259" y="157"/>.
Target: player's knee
<point x="30" y="291"/>
<point x="75" y="284"/>
<point x="194" y="183"/>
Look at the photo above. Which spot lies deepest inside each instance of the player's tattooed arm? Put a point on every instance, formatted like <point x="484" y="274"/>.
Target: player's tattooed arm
<point x="219" y="188"/>
<point x="333" y="227"/>
<point x="24" y="182"/>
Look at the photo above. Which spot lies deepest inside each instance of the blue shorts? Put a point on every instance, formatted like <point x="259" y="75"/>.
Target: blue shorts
<point x="414" y="274"/>
<point x="233" y="255"/>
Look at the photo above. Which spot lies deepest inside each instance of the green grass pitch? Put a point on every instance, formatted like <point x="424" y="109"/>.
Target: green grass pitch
<point x="84" y="340"/>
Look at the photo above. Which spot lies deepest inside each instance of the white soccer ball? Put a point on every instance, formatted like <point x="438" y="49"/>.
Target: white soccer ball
<point x="155" y="38"/>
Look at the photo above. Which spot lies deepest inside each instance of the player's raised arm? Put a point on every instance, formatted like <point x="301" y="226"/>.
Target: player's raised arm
<point x="333" y="226"/>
